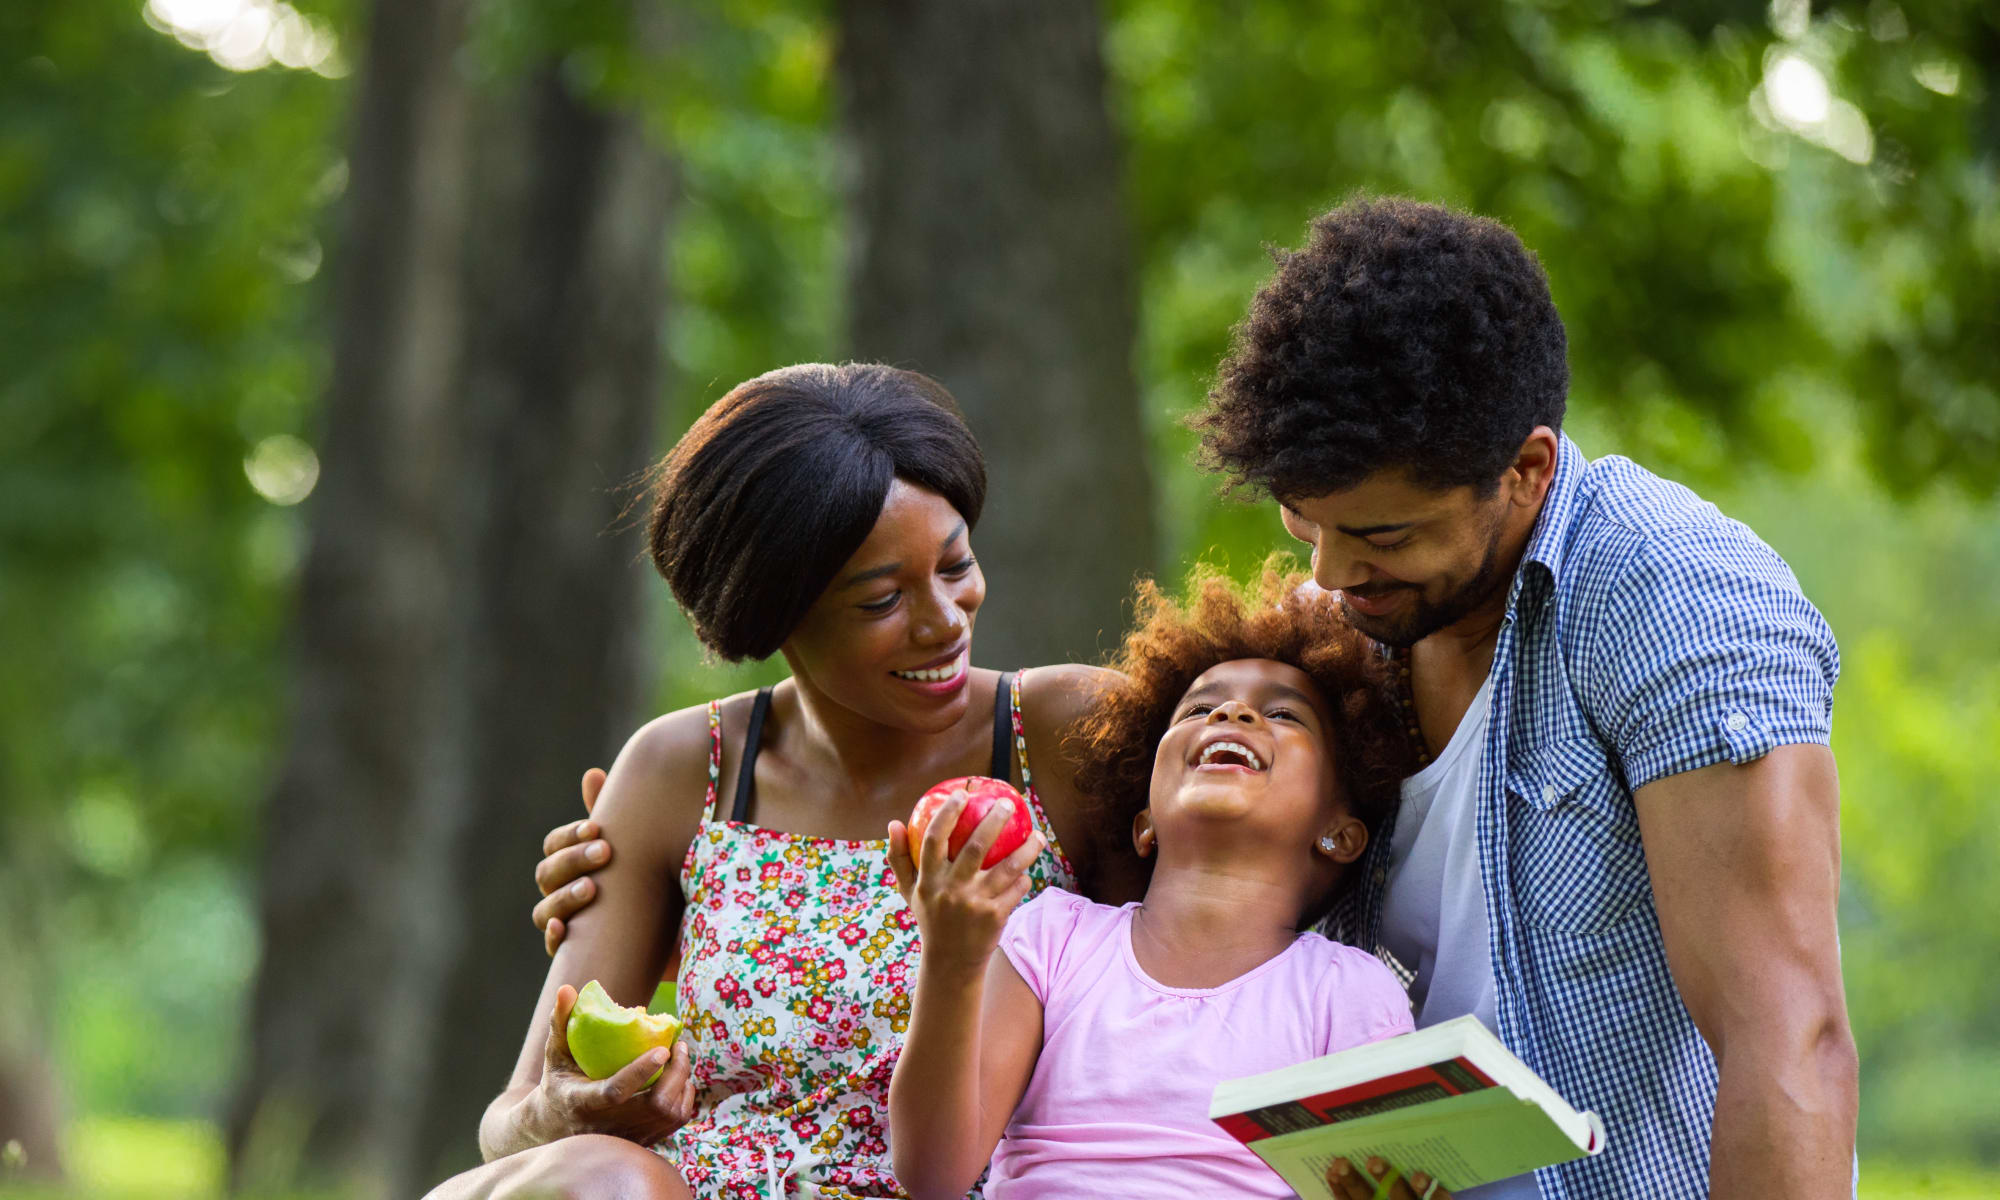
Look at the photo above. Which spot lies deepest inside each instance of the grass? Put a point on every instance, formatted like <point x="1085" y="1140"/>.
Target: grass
<point x="139" y="1158"/>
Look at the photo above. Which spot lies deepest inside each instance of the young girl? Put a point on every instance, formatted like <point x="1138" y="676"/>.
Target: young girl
<point x="1252" y="750"/>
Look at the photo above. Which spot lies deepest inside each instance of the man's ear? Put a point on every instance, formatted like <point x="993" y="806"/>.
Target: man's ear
<point x="1343" y="840"/>
<point x="1534" y="467"/>
<point x="1142" y="833"/>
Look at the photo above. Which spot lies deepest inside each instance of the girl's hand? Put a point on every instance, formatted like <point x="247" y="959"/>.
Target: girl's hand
<point x="960" y="907"/>
<point x="569" y="853"/>
<point x="1365" y="1181"/>
<point x="569" y="1101"/>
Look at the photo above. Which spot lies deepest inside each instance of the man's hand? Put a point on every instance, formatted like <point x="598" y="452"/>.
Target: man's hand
<point x="1377" y="1180"/>
<point x="960" y="906"/>
<point x="569" y="853"/>
<point x="1745" y="864"/>
<point x="569" y="1101"/>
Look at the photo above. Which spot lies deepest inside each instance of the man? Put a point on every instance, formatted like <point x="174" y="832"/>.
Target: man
<point x="1624" y="853"/>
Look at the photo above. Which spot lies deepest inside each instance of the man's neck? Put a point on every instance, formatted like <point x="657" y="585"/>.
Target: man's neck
<point x="1469" y="641"/>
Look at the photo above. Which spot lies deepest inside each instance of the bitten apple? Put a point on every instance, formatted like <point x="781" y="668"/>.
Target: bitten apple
<point x="604" y="1035"/>
<point x="981" y="794"/>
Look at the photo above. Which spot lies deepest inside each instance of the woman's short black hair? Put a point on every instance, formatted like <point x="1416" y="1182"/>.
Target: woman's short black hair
<point x="1404" y="335"/>
<point x="781" y="480"/>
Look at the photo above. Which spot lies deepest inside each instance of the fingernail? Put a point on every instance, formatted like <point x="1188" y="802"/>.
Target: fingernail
<point x="1340" y="1168"/>
<point x="595" y="852"/>
<point x="579" y="887"/>
<point x="583" y="829"/>
<point x="1376" y="1166"/>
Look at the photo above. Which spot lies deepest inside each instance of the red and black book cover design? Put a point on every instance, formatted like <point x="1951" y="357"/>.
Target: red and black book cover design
<point x="1453" y="1077"/>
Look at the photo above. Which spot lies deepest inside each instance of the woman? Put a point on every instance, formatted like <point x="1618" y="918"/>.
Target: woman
<point x="823" y="513"/>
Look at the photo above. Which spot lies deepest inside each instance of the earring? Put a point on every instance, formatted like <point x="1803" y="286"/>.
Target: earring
<point x="1145" y="843"/>
<point x="1326" y="845"/>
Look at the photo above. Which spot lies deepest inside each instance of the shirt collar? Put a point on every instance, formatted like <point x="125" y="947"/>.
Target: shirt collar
<point x="1551" y="535"/>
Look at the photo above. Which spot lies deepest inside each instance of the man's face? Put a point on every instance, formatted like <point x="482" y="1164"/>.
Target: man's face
<point x="1407" y="561"/>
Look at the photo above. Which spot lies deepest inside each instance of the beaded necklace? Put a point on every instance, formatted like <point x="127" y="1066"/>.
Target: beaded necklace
<point x="1406" y="703"/>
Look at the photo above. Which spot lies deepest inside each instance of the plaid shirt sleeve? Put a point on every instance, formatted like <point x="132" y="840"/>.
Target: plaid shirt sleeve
<point x="1706" y="651"/>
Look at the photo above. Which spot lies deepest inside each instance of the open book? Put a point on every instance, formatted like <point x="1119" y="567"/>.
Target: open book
<point x="1449" y="1101"/>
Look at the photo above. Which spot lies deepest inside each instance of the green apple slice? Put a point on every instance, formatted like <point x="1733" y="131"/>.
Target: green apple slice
<point x="605" y="1036"/>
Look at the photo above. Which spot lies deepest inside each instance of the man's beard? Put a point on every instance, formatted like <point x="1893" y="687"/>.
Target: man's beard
<point x="1403" y="630"/>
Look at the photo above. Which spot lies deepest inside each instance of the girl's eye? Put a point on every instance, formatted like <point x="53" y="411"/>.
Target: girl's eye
<point x="1398" y="544"/>
<point x="1197" y="710"/>
<point x="1282" y="714"/>
<point x="880" y="606"/>
<point x="960" y="567"/>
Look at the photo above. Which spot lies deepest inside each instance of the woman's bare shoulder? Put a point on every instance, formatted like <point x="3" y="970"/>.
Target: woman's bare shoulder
<point x="1054" y="697"/>
<point x="659" y="784"/>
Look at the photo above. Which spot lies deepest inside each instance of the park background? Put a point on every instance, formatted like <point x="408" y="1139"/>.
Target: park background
<point x="331" y="335"/>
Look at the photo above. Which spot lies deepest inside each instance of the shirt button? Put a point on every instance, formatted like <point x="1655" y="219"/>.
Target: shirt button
<point x="1738" y="722"/>
<point x="1381" y="876"/>
<point x="1548" y="793"/>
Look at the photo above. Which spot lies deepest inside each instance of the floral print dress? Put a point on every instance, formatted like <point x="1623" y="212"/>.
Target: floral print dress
<point x="798" y="959"/>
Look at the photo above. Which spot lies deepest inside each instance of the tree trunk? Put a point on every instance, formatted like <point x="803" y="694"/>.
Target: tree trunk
<point x="565" y="337"/>
<point x="464" y="629"/>
<point x="992" y="251"/>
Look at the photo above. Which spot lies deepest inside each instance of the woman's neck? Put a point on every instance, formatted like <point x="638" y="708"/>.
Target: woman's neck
<point x="861" y="752"/>
<point x="1204" y="924"/>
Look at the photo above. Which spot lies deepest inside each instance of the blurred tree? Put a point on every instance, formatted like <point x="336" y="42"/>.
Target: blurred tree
<point x="991" y="249"/>
<point x="465" y="632"/>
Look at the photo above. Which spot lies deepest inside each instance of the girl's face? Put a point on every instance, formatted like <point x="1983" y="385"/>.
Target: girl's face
<point x="890" y="638"/>
<point x="1247" y="750"/>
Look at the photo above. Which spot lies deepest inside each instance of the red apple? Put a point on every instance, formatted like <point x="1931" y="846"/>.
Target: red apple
<point x="981" y="794"/>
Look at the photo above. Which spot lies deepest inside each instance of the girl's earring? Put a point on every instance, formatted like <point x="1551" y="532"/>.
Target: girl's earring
<point x="1146" y="844"/>
<point x="1326" y="845"/>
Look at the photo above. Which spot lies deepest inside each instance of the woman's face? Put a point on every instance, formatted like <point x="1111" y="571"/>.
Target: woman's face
<point x="1248" y="746"/>
<point x="891" y="637"/>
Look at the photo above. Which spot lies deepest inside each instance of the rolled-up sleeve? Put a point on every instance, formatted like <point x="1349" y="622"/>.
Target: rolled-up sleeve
<point x="1707" y="652"/>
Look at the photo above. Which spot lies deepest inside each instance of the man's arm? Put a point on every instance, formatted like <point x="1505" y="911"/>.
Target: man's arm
<point x="1745" y="866"/>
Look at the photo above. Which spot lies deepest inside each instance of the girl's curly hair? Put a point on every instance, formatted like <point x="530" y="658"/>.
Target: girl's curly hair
<point x="1281" y="617"/>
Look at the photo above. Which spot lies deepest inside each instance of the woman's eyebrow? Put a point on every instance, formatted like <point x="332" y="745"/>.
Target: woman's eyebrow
<point x="957" y="532"/>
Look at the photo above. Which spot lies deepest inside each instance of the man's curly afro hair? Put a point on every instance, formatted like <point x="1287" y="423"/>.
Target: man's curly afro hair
<point x="1281" y="617"/>
<point x="1404" y="335"/>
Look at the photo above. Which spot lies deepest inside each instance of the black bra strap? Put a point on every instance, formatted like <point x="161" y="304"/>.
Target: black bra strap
<point x="746" y="775"/>
<point x="1003" y="728"/>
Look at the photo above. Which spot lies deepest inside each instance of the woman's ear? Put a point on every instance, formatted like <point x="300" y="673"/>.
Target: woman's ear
<point x="1142" y="833"/>
<point x="1343" y="841"/>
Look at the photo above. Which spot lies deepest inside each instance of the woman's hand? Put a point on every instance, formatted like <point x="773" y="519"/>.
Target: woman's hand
<point x="569" y="853"/>
<point x="960" y="906"/>
<point x="568" y="1101"/>
<point x="1376" y="1180"/>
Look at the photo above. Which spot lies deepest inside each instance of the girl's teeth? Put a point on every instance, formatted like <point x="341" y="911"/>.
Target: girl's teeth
<point x="1208" y="755"/>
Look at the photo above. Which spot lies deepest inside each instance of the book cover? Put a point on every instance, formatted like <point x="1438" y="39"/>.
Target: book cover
<point x="1449" y="1101"/>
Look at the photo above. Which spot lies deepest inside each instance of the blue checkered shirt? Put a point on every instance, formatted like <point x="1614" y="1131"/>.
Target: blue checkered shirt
<point x="1646" y="634"/>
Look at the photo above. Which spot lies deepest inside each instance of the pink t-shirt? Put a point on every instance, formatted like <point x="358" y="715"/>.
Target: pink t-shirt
<point x="1118" y="1105"/>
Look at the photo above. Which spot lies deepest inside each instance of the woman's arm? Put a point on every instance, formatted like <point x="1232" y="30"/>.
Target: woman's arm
<point x="975" y="1027"/>
<point x="652" y="805"/>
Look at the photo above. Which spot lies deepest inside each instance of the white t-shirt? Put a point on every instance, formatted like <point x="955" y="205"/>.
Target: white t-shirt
<point x="1434" y="908"/>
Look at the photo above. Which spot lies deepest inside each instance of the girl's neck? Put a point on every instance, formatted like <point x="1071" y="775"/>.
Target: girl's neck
<point x="1204" y="924"/>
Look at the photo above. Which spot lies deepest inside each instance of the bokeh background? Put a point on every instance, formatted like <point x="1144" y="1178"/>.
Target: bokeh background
<point x="332" y="336"/>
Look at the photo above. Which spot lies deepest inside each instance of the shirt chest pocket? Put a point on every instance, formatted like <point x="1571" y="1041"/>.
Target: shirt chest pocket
<point x="1573" y="839"/>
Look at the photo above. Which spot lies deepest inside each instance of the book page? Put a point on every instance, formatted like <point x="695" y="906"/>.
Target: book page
<point x="1462" y="1141"/>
